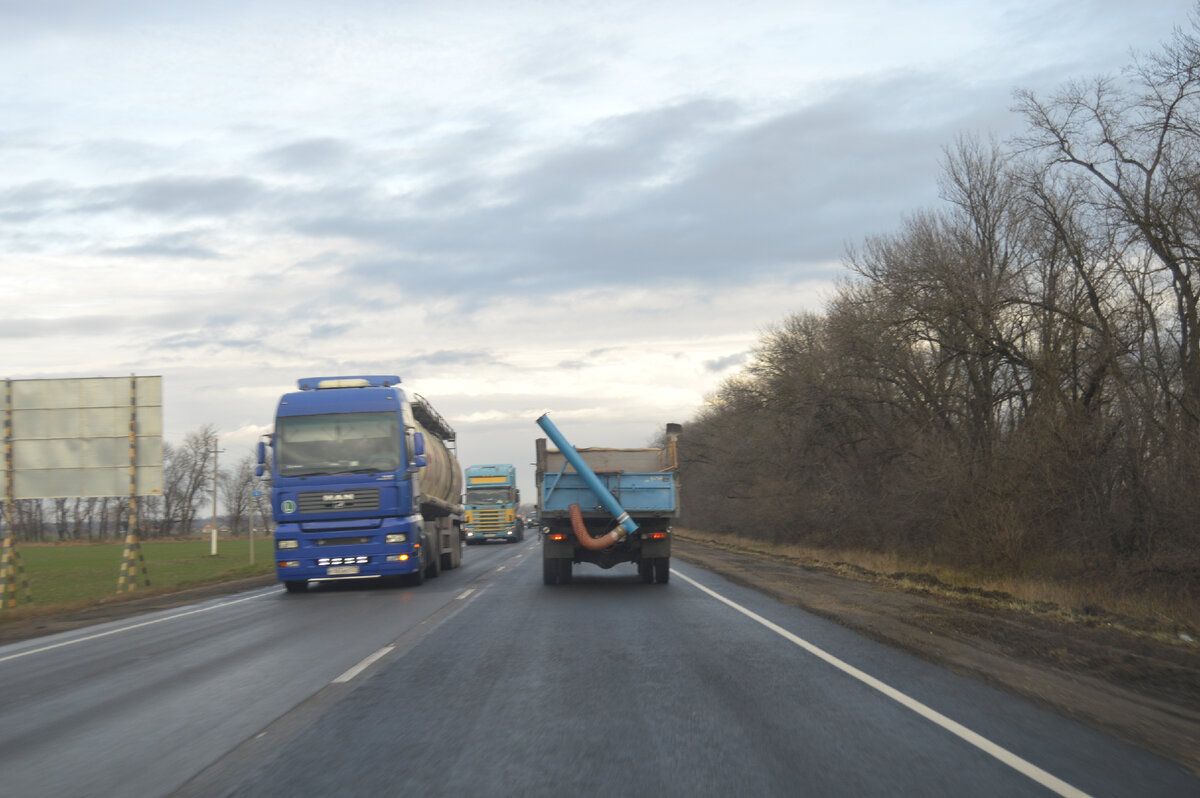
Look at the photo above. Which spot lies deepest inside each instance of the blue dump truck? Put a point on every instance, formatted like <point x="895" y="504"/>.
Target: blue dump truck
<point x="491" y="503"/>
<point x="366" y="484"/>
<point x="581" y="493"/>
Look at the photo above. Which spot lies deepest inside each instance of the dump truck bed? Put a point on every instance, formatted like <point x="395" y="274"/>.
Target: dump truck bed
<point x="641" y="494"/>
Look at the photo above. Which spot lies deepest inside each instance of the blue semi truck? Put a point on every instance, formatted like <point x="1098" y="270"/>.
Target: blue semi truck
<point x="492" y="503"/>
<point x="365" y="484"/>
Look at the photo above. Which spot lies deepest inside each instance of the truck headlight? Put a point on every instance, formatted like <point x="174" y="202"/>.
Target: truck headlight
<point x="396" y="537"/>
<point x="288" y="544"/>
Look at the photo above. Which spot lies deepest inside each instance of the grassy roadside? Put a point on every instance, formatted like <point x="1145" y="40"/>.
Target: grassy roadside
<point x="71" y="576"/>
<point x="1167" y="614"/>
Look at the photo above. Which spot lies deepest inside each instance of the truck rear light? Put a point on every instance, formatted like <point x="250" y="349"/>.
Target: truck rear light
<point x="558" y="536"/>
<point x="657" y="535"/>
<point x="289" y="563"/>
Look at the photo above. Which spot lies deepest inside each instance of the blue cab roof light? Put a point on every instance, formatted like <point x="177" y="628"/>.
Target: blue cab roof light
<point x="366" y="381"/>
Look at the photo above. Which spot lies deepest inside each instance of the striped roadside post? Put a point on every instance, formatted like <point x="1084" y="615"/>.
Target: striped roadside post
<point x="12" y="570"/>
<point x="132" y="559"/>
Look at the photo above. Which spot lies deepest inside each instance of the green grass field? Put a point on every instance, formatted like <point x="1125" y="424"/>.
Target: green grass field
<point x="71" y="575"/>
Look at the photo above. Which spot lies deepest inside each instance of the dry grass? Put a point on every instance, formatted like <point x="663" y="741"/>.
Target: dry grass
<point x="1135" y="601"/>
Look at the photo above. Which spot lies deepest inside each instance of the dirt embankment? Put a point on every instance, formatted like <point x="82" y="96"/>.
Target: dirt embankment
<point x="1141" y="688"/>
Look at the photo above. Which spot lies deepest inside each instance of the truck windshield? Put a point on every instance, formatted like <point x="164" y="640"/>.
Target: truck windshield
<point x="490" y="496"/>
<point x="337" y="443"/>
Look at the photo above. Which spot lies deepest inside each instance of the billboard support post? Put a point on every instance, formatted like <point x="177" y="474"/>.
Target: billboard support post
<point x="131" y="559"/>
<point x="12" y="569"/>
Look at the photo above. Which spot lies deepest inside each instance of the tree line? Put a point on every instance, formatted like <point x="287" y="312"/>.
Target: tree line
<point x="185" y="501"/>
<point x="1011" y="380"/>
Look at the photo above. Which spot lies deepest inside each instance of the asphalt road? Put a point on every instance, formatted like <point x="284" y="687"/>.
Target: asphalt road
<point x="487" y="682"/>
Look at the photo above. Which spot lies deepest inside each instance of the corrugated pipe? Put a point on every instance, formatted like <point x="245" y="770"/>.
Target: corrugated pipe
<point x="586" y="540"/>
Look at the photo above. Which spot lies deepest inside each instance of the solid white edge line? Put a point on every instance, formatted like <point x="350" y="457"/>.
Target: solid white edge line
<point x="362" y="666"/>
<point x="128" y="628"/>
<point x="464" y="594"/>
<point x="1015" y="762"/>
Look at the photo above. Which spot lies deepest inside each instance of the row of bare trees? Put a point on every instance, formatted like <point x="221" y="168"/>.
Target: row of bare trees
<point x="185" y="502"/>
<point x="1011" y="380"/>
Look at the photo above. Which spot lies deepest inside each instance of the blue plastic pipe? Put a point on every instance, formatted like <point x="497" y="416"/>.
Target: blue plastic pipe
<point x="589" y="476"/>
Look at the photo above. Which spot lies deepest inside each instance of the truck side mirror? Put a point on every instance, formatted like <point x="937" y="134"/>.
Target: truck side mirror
<point x="262" y="454"/>
<point x="421" y="461"/>
<point x="419" y="444"/>
<point x="259" y="470"/>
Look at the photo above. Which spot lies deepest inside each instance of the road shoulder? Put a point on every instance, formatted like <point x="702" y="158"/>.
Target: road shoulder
<point x="1138" y="689"/>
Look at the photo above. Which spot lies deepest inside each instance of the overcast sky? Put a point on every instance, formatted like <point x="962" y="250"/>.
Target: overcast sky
<point x="587" y="208"/>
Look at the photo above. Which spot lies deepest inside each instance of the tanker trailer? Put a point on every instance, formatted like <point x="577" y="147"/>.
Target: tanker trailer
<point x="365" y="484"/>
<point x="581" y="493"/>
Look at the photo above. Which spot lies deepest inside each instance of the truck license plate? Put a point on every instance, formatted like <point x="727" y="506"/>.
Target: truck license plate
<point x="342" y="570"/>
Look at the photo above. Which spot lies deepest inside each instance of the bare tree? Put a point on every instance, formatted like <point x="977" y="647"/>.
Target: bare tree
<point x="187" y="479"/>
<point x="237" y="489"/>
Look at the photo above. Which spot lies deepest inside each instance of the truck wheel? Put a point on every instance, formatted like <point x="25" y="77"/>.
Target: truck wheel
<point x="417" y="577"/>
<point x="434" y="569"/>
<point x="549" y="572"/>
<point x="646" y="570"/>
<point x="564" y="571"/>
<point x="662" y="570"/>
<point x="296" y="586"/>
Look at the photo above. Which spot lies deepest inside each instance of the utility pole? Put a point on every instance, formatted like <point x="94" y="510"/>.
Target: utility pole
<point x="216" y="451"/>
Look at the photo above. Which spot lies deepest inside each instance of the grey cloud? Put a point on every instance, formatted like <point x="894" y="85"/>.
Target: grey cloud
<point x="449" y="357"/>
<point x="172" y="246"/>
<point x="47" y="328"/>
<point x="723" y="363"/>
<point x="741" y="198"/>
<point x="81" y="326"/>
<point x="193" y="340"/>
<point x="699" y="189"/>
<point x="182" y="196"/>
<point x="329" y="330"/>
<point x="309" y="155"/>
<point x="123" y="154"/>
<point x="29" y="201"/>
<point x="622" y="152"/>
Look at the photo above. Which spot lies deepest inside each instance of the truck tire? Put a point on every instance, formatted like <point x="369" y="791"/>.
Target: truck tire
<point x="434" y="569"/>
<point x="417" y="577"/>
<point x="549" y="572"/>
<point x="646" y="570"/>
<point x="662" y="570"/>
<point x="296" y="586"/>
<point x="564" y="571"/>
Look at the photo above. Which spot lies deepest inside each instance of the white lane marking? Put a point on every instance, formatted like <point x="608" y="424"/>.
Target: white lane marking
<point x="464" y="594"/>
<point x="131" y="627"/>
<point x="362" y="666"/>
<point x="1015" y="762"/>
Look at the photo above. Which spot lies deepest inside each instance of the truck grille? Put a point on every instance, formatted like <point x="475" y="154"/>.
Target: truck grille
<point x="338" y="501"/>
<point x="490" y="520"/>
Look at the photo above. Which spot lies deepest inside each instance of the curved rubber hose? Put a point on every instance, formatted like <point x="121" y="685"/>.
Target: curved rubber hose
<point x="586" y="540"/>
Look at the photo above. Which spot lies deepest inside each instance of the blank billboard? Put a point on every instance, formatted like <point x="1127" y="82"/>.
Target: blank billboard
<point x="70" y="438"/>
